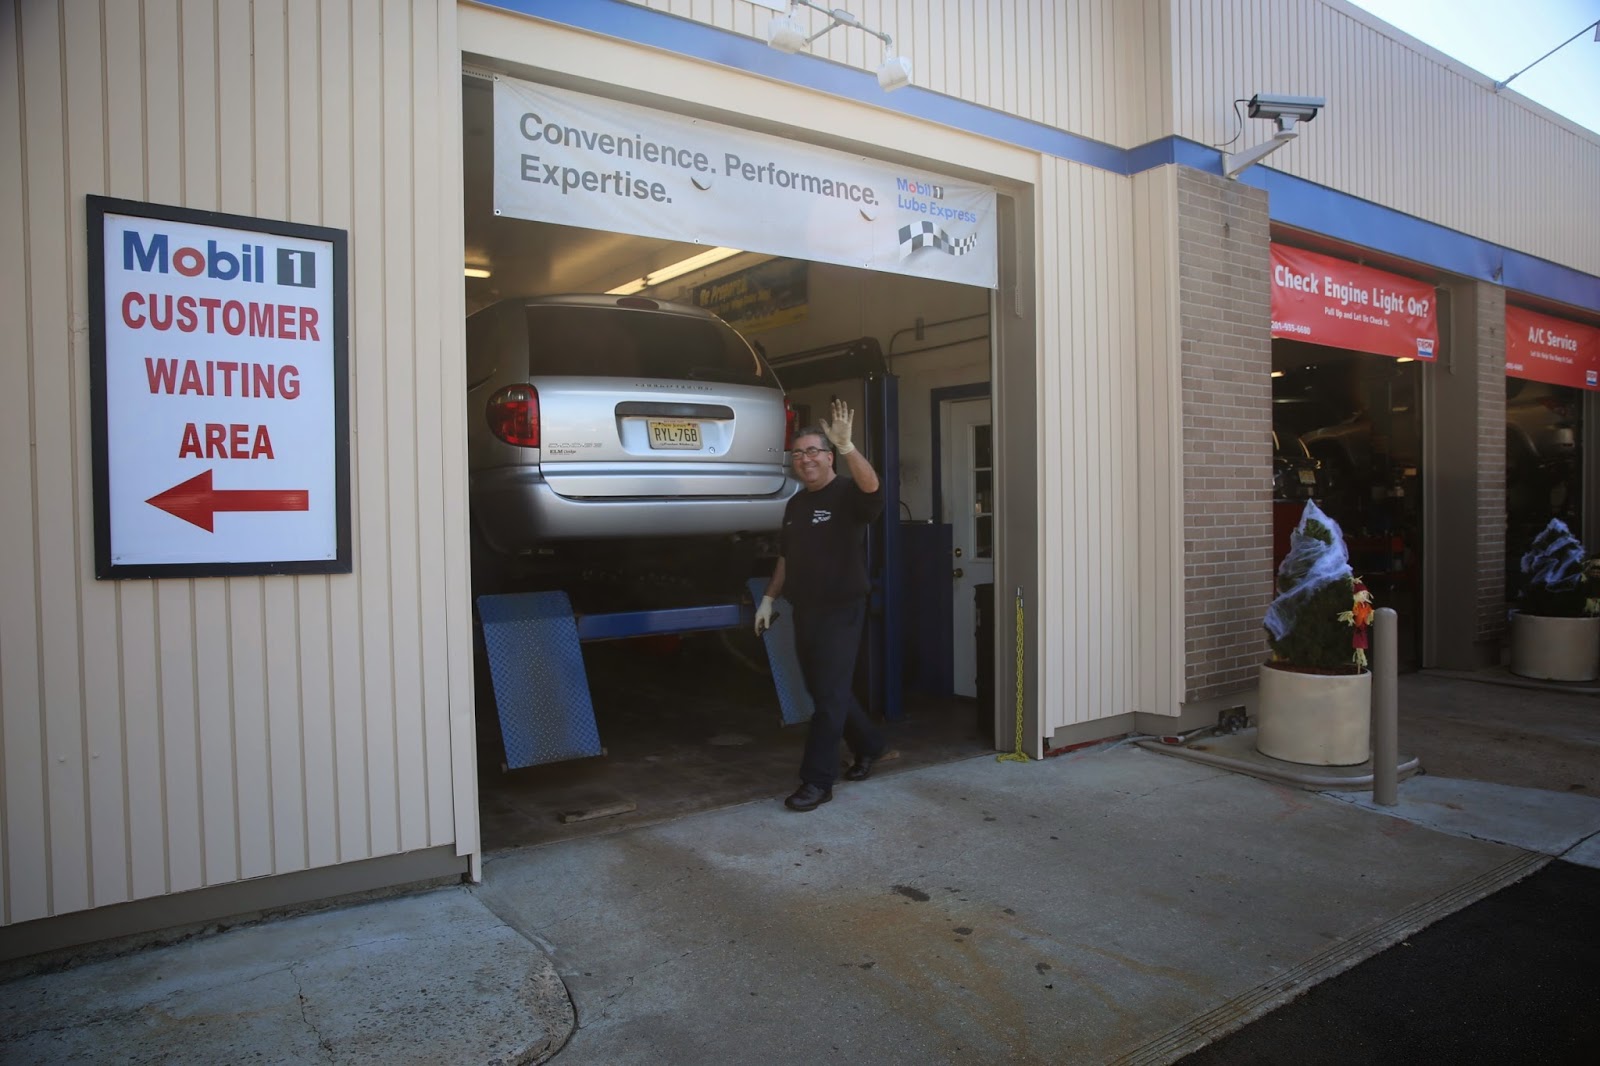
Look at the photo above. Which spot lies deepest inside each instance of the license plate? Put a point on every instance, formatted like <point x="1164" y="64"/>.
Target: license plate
<point x="1308" y="477"/>
<point x="674" y="434"/>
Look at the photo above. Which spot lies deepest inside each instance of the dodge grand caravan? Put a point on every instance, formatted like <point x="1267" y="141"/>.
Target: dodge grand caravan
<point x="607" y="426"/>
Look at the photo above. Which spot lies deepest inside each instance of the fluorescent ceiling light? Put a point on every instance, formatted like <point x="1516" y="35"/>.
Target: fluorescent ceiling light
<point x="476" y="272"/>
<point x="1277" y="373"/>
<point x="1405" y="359"/>
<point x="678" y="269"/>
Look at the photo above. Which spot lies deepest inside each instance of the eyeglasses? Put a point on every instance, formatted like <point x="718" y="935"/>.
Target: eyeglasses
<point x="806" y="453"/>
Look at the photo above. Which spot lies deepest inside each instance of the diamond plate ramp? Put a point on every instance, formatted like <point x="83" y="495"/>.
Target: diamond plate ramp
<point x="793" y="700"/>
<point x="540" y="688"/>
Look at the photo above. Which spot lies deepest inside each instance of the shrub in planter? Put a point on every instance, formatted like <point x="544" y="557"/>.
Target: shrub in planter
<point x="1557" y="580"/>
<point x="1320" y="620"/>
<point x="1555" y="634"/>
<point x="1315" y="698"/>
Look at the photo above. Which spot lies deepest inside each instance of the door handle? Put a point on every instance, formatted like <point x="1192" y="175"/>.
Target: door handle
<point x="957" y="572"/>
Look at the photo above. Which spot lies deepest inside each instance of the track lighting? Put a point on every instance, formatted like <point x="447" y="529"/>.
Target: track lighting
<point x="787" y="34"/>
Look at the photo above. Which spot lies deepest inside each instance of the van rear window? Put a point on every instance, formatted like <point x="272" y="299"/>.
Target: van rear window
<point x="611" y="342"/>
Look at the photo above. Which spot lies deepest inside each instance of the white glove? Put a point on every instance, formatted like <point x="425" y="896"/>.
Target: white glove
<point x="764" y="615"/>
<point x="838" y="430"/>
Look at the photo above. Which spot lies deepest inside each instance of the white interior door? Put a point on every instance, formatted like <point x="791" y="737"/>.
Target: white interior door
<point x="968" y="491"/>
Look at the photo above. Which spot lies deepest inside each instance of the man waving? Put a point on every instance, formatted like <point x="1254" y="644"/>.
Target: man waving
<point x="823" y="565"/>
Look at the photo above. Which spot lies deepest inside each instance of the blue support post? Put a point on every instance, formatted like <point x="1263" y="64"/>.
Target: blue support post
<point x="885" y="653"/>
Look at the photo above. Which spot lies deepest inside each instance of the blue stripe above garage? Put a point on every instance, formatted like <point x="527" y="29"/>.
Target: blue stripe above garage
<point x="1292" y="201"/>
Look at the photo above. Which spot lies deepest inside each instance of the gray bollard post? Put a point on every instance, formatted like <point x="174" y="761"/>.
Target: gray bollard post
<point x="1385" y="709"/>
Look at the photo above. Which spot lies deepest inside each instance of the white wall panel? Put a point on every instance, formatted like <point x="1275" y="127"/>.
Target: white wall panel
<point x="163" y="735"/>
<point x="1089" y="448"/>
<point x="1159" y="605"/>
<point x="1405" y="126"/>
<point x="1080" y="65"/>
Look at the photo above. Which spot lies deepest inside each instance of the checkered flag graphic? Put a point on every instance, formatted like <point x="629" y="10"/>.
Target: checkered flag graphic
<point x="927" y="235"/>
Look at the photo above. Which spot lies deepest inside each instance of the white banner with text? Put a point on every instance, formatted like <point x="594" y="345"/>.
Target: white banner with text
<point x="585" y="161"/>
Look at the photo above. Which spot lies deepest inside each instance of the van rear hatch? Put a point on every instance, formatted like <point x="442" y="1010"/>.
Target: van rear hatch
<point x="638" y="402"/>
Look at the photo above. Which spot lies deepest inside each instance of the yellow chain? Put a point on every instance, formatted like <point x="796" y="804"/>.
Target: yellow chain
<point x="1018" y="755"/>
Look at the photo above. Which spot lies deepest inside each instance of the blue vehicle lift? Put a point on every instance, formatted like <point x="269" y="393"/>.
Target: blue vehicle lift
<point x="541" y="689"/>
<point x="534" y="639"/>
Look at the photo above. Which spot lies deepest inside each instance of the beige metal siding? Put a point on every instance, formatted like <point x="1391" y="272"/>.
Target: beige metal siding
<point x="1086" y="66"/>
<point x="1089" y="419"/>
<point x="159" y="736"/>
<point x="1159" y="606"/>
<point x="1405" y="126"/>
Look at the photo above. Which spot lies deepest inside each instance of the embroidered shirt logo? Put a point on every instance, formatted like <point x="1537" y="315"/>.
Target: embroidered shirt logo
<point x="819" y="516"/>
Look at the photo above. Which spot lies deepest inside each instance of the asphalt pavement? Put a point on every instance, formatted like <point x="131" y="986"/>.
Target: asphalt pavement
<point x="1510" y="979"/>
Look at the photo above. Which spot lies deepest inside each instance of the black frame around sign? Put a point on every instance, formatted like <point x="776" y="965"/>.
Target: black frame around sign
<point x="98" y="207"/>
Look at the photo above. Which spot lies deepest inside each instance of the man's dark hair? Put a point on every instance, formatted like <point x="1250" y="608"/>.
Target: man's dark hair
<point x="816" y="431"/>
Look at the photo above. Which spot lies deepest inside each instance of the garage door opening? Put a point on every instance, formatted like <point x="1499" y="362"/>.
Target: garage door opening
<point x="1347" y="432"/>
<point x="693" y="719"/>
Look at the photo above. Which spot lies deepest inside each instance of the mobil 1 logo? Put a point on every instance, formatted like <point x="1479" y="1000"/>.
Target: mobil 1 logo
<point x="297" y="268"/>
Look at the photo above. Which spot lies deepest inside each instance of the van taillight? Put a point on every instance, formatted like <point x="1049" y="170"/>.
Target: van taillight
<point x="789" y="420"/>
<point x="513" y="415"/>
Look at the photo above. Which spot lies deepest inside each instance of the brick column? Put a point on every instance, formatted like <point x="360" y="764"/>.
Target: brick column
<point x="1225" y="307"/>
<point x="1492" y="547"/>
<point x="1464" y="477"/>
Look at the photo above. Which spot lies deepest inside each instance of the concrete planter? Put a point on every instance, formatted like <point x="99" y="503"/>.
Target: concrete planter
<point x="1315" y="719"/>
<point x="1555" y="649"/>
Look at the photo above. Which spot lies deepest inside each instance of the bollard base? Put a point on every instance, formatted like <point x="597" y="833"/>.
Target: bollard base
<point x="1238" y="753"/>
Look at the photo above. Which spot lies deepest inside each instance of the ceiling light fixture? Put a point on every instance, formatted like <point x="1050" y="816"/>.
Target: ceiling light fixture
<point x="1277" y="373"/>
<point x="1405" y="359"/>
<point x="787" y="34"/>
<point x="476" y="272"/>
<point x="674" y="270"/>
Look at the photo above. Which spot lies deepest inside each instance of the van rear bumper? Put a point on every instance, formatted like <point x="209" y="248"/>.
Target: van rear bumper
<point x="516" y="510"/>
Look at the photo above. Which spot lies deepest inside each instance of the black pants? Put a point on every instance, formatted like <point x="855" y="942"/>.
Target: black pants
<point x="826" y="639"/>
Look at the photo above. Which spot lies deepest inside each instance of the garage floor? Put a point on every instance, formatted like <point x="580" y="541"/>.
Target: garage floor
<point x="689" y="724"/>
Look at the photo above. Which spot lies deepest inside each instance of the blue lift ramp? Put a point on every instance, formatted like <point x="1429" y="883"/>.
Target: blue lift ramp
<point x="541" y="688"/>
<point x="793" y="699"/>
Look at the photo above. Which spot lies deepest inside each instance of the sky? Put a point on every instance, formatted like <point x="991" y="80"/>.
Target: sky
<point x="1500" y="37"/>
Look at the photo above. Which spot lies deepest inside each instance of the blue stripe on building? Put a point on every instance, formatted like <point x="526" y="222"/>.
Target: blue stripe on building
<point x="1292" y="201"/>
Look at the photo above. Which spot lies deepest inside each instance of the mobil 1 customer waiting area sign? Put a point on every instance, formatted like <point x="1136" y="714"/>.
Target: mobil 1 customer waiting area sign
<point x="220" y="393"/>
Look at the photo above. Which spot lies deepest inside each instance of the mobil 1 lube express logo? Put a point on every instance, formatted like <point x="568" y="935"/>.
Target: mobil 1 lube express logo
<point x="219" y="393"/>
<point x="917" y="197"/>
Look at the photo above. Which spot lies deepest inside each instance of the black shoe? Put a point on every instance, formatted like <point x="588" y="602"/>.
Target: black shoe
<point x="808" y="797"/>
<point x="861" y="769"/>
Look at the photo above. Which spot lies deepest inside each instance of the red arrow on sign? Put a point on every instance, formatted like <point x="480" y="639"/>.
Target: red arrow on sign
<point x="196" y="502"/>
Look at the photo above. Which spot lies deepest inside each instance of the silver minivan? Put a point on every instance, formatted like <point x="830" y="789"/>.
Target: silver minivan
<point x="607" y="423"/>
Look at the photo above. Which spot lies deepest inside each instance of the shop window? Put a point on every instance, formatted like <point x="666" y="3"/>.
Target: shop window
<point x="1544" y="465"/>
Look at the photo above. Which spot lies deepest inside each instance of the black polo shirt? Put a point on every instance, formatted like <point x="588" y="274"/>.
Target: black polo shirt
<point x="824" y="551"/>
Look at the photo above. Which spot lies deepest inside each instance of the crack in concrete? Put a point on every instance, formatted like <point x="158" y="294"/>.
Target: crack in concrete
<point x="323" y="1043"/>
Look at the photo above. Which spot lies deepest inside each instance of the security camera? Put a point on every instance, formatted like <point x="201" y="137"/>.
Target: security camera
<point x="1293" y="108"/>
<point x="1286" y="113"/>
